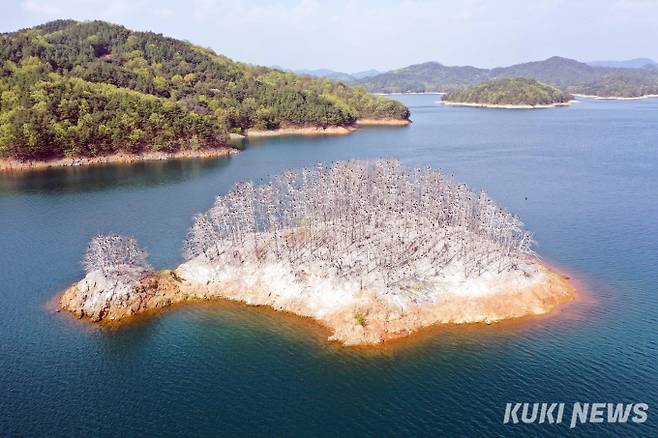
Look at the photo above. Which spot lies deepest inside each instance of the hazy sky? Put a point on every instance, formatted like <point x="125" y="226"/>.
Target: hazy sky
<point x="350" y="35"/>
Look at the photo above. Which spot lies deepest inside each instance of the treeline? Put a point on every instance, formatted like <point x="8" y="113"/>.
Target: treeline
<point x="169" y="89"/>
<point x="515" y="91"/>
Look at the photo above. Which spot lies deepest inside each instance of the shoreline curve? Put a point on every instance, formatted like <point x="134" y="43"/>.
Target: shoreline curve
<point x="167" y="288"/>
<point x="505" y="106"/>
<point x="595" y="97"/>
<point x="14" y="165"/>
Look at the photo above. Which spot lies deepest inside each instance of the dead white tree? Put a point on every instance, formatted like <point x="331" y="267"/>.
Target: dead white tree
<point x="115" y="255"/>
<point x="367" y="221"/>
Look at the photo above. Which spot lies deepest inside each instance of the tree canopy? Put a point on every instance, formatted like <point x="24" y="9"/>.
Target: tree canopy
<point x="85" y="88"/>
<point x="516" y="91"/>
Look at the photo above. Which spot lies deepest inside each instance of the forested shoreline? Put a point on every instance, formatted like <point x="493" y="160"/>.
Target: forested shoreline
<point x="83" y="89"/>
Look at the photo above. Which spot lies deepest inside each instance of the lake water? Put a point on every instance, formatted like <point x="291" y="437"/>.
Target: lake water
<point x="584" y="179"/>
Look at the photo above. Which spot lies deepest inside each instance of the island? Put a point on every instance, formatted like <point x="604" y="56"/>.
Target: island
<point x="75" y="93"/>
<point x="372" y="250"/>
<point x="514" y="93"/>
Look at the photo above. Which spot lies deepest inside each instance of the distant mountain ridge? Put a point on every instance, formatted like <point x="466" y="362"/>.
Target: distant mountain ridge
<point x="334" y="75"/>
<point x="628" y="63"/>
<point x="568" y="74"/>
<point x="428" y="76"/>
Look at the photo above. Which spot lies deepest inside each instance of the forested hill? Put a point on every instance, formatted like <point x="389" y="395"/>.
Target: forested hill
<point x="567" y="74"/>
<point x="425" y="77"/>
<point x="509" y="91"/>
<point x="87" y="88"/>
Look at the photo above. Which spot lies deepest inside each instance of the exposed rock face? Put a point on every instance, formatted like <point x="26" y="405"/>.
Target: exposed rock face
<point x="355" y="316"/>
<point x="101" y="299"/>
<point x="369" y="317"/>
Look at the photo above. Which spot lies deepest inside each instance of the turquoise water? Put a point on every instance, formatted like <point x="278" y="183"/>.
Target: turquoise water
<point x="584" y="179"/>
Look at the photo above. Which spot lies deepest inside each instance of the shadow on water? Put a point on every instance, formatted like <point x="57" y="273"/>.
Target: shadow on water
<point x="102" y="177"/>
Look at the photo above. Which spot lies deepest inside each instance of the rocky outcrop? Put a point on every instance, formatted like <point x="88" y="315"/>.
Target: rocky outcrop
<point x="98" y="298"/>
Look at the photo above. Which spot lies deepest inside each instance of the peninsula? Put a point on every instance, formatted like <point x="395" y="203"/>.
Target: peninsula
<point x="516" y="93"/>
<point x="77" y="93"/>
<point x="371" y="250"/>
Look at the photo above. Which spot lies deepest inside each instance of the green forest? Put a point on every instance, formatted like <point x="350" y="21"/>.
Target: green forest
<point x="509" y="91"/>
<point x="72" y="88"/>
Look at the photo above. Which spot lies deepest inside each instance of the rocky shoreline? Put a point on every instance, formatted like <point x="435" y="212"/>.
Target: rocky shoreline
<point x="11" y="165"/>
<point x="361" y="317"/>
<point x="383" y="122"/>
<point x="595" y="97"/>
<point x="505" y="106"/>
<point x="329" y="130"/>
<point x="308" y="130"/>
<point x="411" y="93"/>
